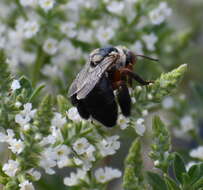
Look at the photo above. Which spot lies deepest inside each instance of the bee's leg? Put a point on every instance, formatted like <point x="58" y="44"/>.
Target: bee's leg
<point x="80" y="107"/>
<point x="135" y="76"/>
<point x="124" y="99"/>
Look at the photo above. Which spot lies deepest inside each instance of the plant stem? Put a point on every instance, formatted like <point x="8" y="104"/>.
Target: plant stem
<point x="37" y="66"/>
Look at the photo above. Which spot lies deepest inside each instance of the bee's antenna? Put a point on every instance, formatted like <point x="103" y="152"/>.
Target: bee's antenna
<point x="146" y="57"/>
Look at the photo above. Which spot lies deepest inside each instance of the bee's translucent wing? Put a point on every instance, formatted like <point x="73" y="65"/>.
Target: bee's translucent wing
<point x="88" y="77"/>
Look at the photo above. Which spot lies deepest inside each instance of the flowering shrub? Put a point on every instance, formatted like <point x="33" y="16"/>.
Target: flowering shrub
<point x="43" y="45"/>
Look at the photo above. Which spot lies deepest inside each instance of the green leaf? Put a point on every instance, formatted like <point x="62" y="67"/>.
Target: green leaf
<point x="36" y="92"/>
<point x="171" y="184"/>
<point x="156" y="181"/>
<point x="179" y="167"/>
<point x="44" y="115"/>
<point x="5" y="76"/>
<point x="133" y="176"/>
<point x="194" y="173"/>
<point x="198" y="184"/>
<point x="63" y="104"/>
<point x="25" y="84"/>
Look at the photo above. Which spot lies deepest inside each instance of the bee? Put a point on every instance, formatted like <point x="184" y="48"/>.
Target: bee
<point x="107" y="70"/>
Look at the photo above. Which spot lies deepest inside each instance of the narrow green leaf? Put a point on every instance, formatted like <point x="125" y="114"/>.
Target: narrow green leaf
<point x="198" y="184"/>
<point x="156" y="181"/>
<point x="36" y="92"/>
<point x="63" y="104"/>
<point x="194" y="173"/>
<point x="133" y="175"/>
<point x="179" y="167"/>
<point x="44" y="115"/>
<point x="171" y="184"/>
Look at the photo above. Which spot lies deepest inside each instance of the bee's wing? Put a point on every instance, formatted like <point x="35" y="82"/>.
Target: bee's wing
<point x="88" y="77"/>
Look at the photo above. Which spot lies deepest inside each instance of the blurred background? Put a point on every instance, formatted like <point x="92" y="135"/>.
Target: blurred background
<point x="50" y="43"/>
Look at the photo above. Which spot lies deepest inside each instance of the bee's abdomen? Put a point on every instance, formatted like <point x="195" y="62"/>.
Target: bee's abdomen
<point x="101" y="104"/>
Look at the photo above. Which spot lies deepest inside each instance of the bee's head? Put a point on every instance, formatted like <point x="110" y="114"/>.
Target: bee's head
<point x="126" y="56"/>
<point x="98" y="55"/>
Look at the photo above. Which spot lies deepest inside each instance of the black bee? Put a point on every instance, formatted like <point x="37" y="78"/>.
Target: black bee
<point x="92" y="92"/>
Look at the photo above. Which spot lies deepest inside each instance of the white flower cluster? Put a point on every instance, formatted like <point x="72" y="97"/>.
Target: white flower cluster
<point x="86" y="151"/>
<point x="25" y="116"/>
<point x="158" y="15"/>
<point x="58" y="40"/>
<point x="109" y="145"/>
<point x="15" y="145"/>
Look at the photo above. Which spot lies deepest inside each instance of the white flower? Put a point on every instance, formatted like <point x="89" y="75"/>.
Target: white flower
<point x="35" y="174"/>
<point x="158" y="15"/>
<point x="150" y="41"/>
<point x="137" y="47"/>
<point x="56" y="134"/>
<point x="103" y="35"/>
<point x="46" y="5"/>
<point x="26" y="127"/>
<point x="156" y="163"/>
<point x="140" y="127"/>
<point x="51" y="71"/>
<point x="58" y="120"/>
<point x="27" y="2"/>
<point x="72" y="180"/>
<point x="30" y="28"/>
<point x="168" y="102"/>
<point x="50" y="46"/>
<point x="197" y="153"/>
<point x="133" y="100"/>
<point x="16" y="146"/>
<point x="81" y="145"/>
<point x="145" y="113"/>
<point x="11" y="168"/>
<point x="75" y="178"/>
<point x="115" y="7"/>
<point x="18" y="104"/>
<point x="15" y="85"/>
<point x="88" y="154"/>
<point x="149" y="96"/>
<point x="62" y="151"/>
<point x="73" y="114"/>
<point x="69" y="29"/>
<point x="123" y="122"/>
<point x="48" y="160"/>
<point x="50" y="139"/>
<point x="106" y="174"/>
<point x="85" y="35"/>
<point x="7" y="138"/>
<point x="187" y="123"/>
<point x="26" y="185"/>
<point x="64" y="162"/>
<point x="25" y="115"/>
<point x="109" y="145"/>
<point x="138" y="88"/>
